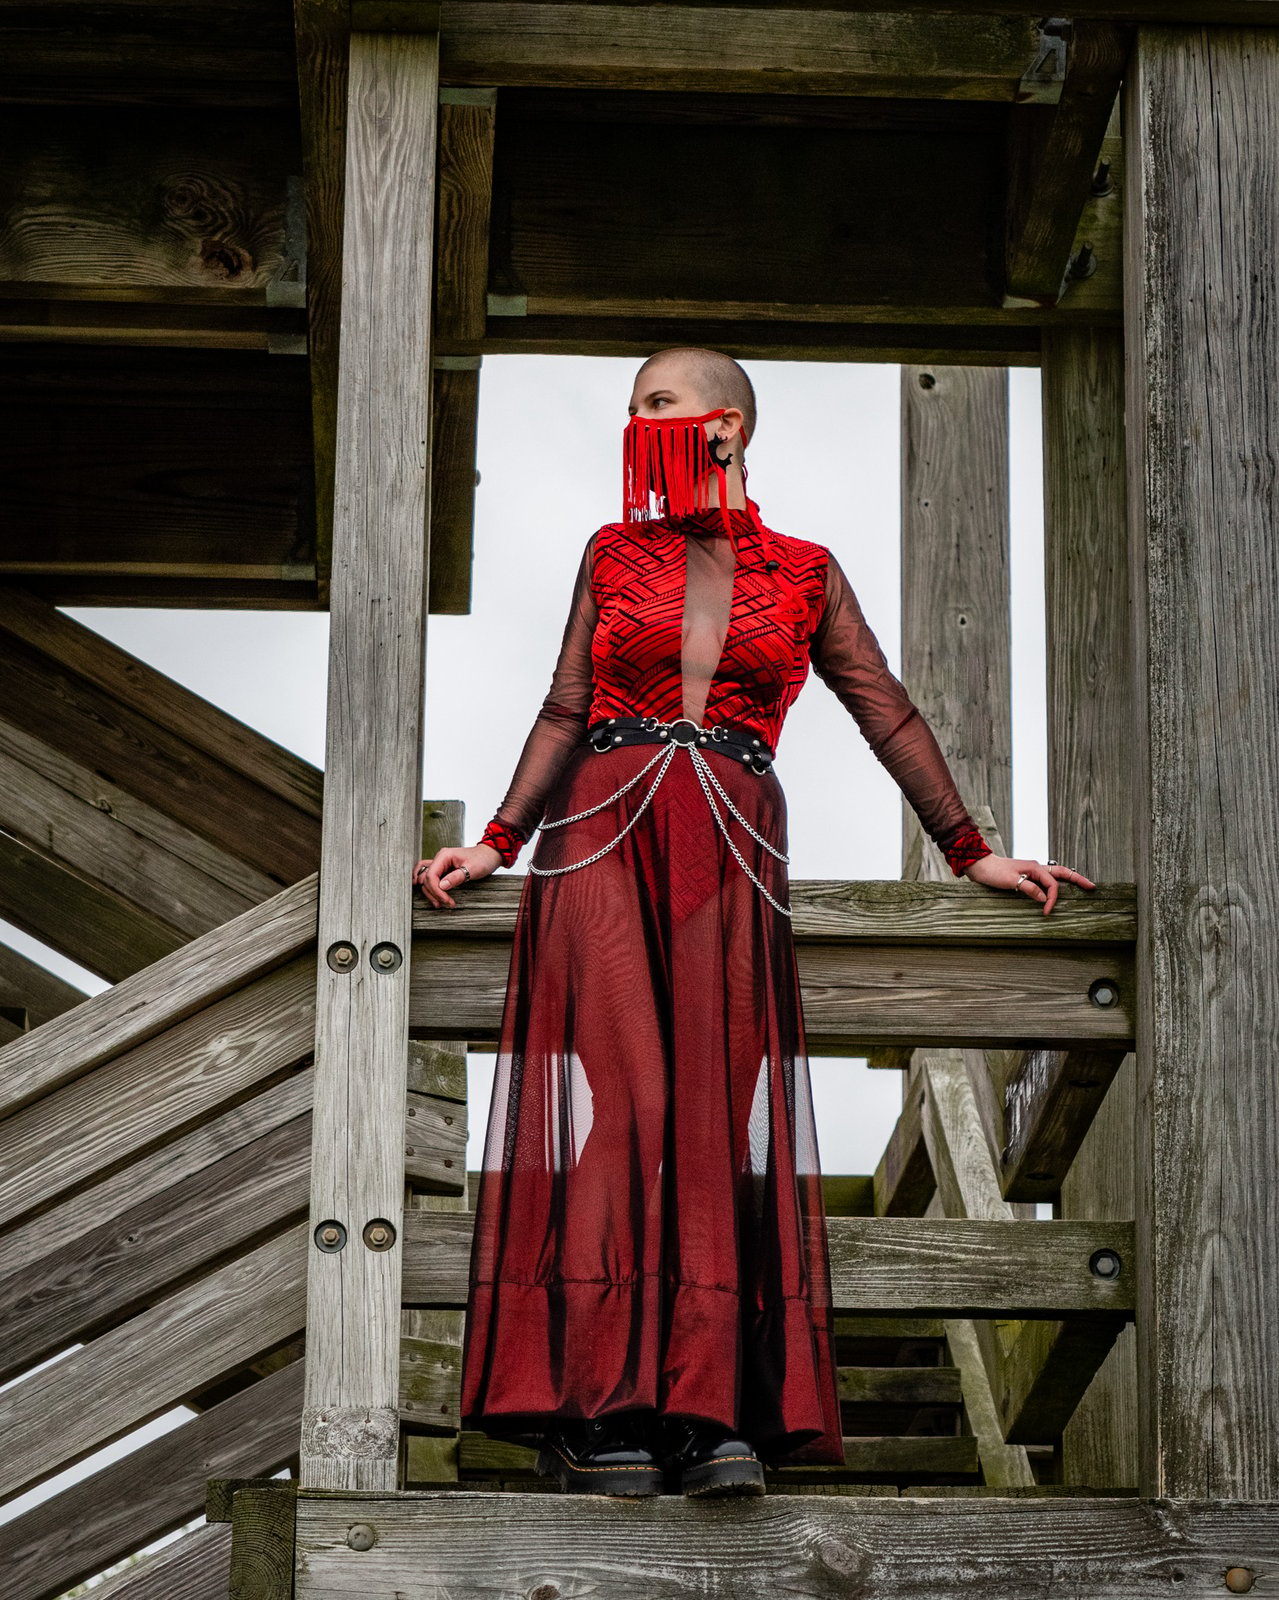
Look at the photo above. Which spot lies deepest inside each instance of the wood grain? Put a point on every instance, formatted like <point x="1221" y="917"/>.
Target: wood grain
<point x="160" y="1089"/>
<point x="196" y="1567"/>
<point x="372" y="813"/>
<point x="159" y="997"/>
<point x="1202" y="208"/>
<point x="733" y="49"/>
<point x="459" y="1544"/>
<point x="151" y="1491"/>
<point x="900" y="1266"/>
<point x="25" y="983"/>
<point x="221" y="1322"/>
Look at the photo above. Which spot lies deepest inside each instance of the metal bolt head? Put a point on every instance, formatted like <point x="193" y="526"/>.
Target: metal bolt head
<point x="342" y="956"/>
<point x="1105" y="1264"/>
<point x="361" y="1536"/>
<point x="1103" y="992"/>
<point x="330" y="1237"/>
<point x="1239" y="1579"/>
<point x="379" y="1234"/>
<point x="385" y="957"/>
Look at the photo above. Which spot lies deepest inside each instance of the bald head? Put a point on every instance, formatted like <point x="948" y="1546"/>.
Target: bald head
<point x="716" y="378"/>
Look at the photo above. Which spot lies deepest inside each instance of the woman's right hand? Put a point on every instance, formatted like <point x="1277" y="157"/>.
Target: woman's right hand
<point x="443" y="871"/>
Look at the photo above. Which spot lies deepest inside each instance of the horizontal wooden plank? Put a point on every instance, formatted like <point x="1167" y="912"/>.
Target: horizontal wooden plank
<point x="195" y="1567"/>
<point x="157" y="1090"/>
<point x="213" y="1326"/>
<point x="702" y="49"/>
<point x="152" y="1490"/>
<point x="1010" y="343"/>
<point x="430" y="1543"/>
<point x="435" y="1144"/>
<point x="114" y="1269"/>
<point x="159" y="997"/>
<point x="910" y="1266"/>
<point x="864" y="911"/>
<point x="899" y="1386"/>
<point x="854" y="995"/>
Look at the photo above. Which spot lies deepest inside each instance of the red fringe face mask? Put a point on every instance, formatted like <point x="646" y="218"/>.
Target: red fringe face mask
<point x="667" y="467"/>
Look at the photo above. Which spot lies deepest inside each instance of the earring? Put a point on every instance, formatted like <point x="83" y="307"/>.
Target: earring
<point x="710" y="445"/>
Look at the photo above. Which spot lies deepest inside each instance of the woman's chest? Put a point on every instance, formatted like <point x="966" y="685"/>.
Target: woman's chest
<point x="671" y="603"/>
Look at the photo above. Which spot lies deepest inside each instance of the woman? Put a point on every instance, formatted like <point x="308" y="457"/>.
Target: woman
<point x="650" y="1287"/>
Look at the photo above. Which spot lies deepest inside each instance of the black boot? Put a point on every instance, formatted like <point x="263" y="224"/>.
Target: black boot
<point x="605" y="1455"/>
<point x="709" y="1459"/>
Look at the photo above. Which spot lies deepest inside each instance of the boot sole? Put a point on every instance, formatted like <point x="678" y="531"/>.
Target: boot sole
<point x="628" y="1481"/>
<point x="730" y="1475"/>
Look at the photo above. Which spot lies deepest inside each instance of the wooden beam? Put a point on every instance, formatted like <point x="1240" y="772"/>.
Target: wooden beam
<point x="866" y="912"/>
<point x="372" y="815"/>
<point x="823" y="1547"/>
<point x="468" y="121"/>
<point x="97" y="705"/>
<point x="136" y="1009"/>
<point x="196" y="1567"/>
<point x="1048" y="1372"/>
<point x="148" y="1493"/>
<point x="1202" y="281"/>
<point x="455" y="416"/>
<point x="56" y="1416"/>
<point x="233" y="1046"/>
<point x="1051" y="1104"/>
<point x="84" y="923"/>
<point x="955" y="620"/>
<point x="39" y="993"/>
<point x="1053" y="154"/>
<point x="702" y="49"/>
<point x="114" y="1270"/>
<point x="890" y="1266"/>
<point x="1092" y="706"/>
<point x="904" y="1181"/>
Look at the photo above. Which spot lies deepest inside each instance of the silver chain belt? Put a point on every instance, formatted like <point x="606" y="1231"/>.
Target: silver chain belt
<point x="706" y="777"/>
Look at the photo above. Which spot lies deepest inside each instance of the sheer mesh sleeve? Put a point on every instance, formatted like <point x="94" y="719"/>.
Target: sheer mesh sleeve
<point x="558" y="727"/>
<point x="846" y="656"/>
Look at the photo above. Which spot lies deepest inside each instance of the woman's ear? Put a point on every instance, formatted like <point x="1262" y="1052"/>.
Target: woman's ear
<point x="728" y="428"/>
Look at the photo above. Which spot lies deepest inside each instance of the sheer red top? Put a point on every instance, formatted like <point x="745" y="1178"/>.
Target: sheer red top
<point x="668" y="619"/>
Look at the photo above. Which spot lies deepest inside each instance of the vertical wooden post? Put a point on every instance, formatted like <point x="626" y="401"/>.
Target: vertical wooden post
<point x="372" y="785"/>
<point x="1090" y="785"/>
<point x="955" y="621"/>
<point x="1201" y="140"/>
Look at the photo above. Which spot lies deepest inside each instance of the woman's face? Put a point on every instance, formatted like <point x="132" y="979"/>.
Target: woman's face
<point x="664" y="389"/>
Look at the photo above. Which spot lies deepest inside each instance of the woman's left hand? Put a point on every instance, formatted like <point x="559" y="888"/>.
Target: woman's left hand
<point x="1037" y="880"/>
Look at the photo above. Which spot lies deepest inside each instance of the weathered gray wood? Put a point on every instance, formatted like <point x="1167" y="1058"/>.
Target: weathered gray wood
<point x="1093" y="704"/>
<point x="437" y="1069"/>
<point x="97" y="705"/>
<point x="1053" y="154"/>
<point x="455" y="418"/>
<point x="114" y="1269"/>
<point x="955" y="618"/>
<point x="866" y="911"/>
<point x="156" y="1090"/>
<point x="151" y="1491"/>
<point x="1048" y="1373"/>
<point x="854" y="995"/>
<point x="892" y="1266"/>
<point x="160" y="997"/>
<point x="435" y="1144"/>
<point x="262" y="1543"/>
<point x="458" y="1544"/>
<point x="78" y="920"/>
<point x="196" y="1567"/>
<point x="213" y="1326"/>
<point x="904" y="1181"/>
<point x="372" y="812"/>
<point x="465" y="179"/>
<point x="697" y="50"/>
<point x="26" y="984"/>
<point x="1050" y="1106"/>
<point x="100" y="832"/>
<point x="908" y="1386"/>
<point x="1200" y="271"/>
<point x="60" y="1227"/>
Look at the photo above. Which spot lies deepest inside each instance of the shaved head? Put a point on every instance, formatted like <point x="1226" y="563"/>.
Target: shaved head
<point x="717" y="378"/>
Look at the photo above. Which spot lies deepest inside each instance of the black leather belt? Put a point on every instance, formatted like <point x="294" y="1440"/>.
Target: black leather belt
<point x="731" y="739"/>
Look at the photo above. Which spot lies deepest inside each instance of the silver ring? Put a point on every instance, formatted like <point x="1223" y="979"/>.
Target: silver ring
<point x="467" y="871"/>
<point x="1018" y="884"/>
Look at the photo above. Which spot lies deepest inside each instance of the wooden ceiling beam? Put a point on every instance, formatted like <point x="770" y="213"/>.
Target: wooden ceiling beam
<point x="1053" y="158"/>
<point x="1221" y="12"/>
<point x="707" y="49"/>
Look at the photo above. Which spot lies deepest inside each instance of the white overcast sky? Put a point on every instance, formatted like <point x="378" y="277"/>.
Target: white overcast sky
<point x="824" y="465"/>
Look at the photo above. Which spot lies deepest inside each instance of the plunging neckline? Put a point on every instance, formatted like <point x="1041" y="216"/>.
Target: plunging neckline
<point x="711" y="527"/>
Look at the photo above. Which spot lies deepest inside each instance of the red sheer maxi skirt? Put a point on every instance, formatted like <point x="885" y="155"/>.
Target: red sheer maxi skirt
<point x="649" y="1226"/>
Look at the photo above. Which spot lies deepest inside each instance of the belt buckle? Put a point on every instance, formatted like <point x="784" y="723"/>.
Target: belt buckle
<point x="688" y="722"/>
